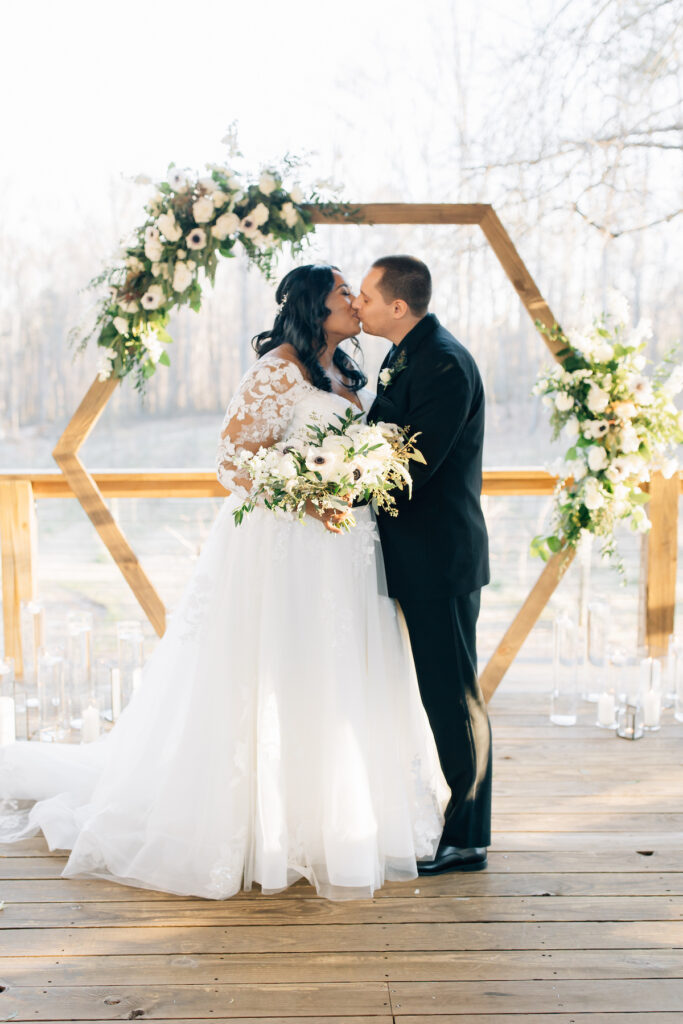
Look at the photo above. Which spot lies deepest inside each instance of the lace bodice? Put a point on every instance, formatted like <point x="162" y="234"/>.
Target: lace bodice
<point x="273" y="402"/>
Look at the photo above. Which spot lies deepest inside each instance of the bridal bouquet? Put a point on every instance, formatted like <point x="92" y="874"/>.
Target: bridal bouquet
<point x="331" y="466"/>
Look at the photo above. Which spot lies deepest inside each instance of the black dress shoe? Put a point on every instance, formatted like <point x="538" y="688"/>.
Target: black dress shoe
<point x="454" y="858"/>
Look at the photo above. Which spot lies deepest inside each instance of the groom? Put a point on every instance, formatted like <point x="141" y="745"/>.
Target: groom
<point x="436" y="549"/>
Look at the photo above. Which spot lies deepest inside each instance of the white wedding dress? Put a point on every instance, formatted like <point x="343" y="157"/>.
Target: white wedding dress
<point x="278" y="730"/>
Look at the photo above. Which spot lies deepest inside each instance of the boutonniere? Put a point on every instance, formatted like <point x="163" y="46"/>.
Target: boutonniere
<point x="389" y="373"/>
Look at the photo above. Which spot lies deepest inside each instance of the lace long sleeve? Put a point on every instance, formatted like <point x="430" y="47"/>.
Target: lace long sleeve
<point x="258" y="416"/>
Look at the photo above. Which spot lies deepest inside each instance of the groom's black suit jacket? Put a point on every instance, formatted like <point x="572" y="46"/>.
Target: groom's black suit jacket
<point x="437" y="546"/>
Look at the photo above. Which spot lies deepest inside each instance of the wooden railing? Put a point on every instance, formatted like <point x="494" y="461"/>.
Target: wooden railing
<point x="18" y="532"/>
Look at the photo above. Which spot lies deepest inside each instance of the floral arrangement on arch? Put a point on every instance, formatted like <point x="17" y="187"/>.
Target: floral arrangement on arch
<point x="191" y="221"/>
<point x="620" y="424"/>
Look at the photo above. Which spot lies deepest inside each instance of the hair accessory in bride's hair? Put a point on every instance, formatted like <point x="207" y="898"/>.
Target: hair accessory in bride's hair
<point x="283" y="302"/>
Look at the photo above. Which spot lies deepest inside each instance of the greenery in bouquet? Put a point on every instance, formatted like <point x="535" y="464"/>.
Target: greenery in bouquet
<point x="332" y="466"/>
<point x="190" y="222"/>
<point x="620" y="425"/>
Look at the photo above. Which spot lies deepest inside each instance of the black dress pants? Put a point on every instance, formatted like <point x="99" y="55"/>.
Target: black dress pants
<point x="443" y="639"/>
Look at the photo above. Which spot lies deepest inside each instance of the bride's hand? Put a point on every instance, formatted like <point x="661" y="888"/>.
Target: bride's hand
<point x="330" y="519"/>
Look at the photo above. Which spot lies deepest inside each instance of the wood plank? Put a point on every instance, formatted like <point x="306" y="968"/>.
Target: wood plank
<point x="549" y="1018"/>
<point x="196" y="1001"/>
<point x="484" y="883"/>
<point x="314" y="912"/>
<point x="661" y="547"/>
<point x="374" y="1019"/>
<point x="206" y="968"/>
<point x="352" y="938"/>
<point x="524" y="621"/>
<point x="585" y="996"/>
<point x="18" y="540"/>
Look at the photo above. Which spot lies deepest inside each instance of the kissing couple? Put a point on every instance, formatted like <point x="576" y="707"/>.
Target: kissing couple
<point x="313" y="710"/>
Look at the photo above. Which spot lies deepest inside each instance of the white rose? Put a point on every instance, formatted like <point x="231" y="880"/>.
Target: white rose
<point x="337" y="443"/>
<point x="571" y="428"/>
<point x="547" y="401"/>
<point x="134" y="264"/>
<point x="128" y="306"/>
<point x="602" y="351"/>
<point x="153" y="247"/>
<point x="196" y="239"/>
<point x="181" y="254"/>
<point x="578" y="469"/>
<point x="267" y="183"/>
<point x="597" y="458"/>
<point x="385" y="376"/>
<point x="593" y="497"/>
<point x="156" y="203"/>
<point x="597" y="400"/>
<point x="153" y="297"/>
<point x="289" y="214"/>
<point x="614" y="473"/>
<point x="563" y="401"/>
<point x="202" y="210"/>
<point x="169" y="226"/>
<point x="207" y="182"/>
<point x="297" y="195"/>
<point x="259" y="215"/>
<point x="625" y="410"/>
<point x="121" y="324"/>
<point x="154" y="347"/>
<point x="219" y="199"/>
<point x="105" y="357"/>
<point x="225" y="225"/>
<point x="182" y="277"/>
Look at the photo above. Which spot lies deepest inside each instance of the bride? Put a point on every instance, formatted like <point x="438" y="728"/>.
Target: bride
<point x="278" y="731"/>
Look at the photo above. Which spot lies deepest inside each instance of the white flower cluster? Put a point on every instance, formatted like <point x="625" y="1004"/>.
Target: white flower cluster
<point x="621" y="426"/>
<point x="200" y="217"/>
<point x="329" y="466"/>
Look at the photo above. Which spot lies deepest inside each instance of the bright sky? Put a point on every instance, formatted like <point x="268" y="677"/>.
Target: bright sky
<point x="92" y="91"/>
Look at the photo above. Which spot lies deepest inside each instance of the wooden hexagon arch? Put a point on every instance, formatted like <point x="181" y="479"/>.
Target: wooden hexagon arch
<point x="91" y="408"/>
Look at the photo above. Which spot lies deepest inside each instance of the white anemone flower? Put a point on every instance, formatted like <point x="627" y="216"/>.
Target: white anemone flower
<point x="196" y="239"/>
<point x="177" y="179"/>
<point x="153" y="297"/>
<point x="328" y="464"/>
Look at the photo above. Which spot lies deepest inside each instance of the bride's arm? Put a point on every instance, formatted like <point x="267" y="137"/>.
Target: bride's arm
<point x="257" y="417"/>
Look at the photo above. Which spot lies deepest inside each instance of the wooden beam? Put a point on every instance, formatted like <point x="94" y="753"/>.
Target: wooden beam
<point x="524" y="621"/>
<point x="88" y="494"/>
<point x="661" y="552"/>
<point x="18" y="537"/>
<point x="193" y="483"/>
<point x="522" y="281"/>
<point x="402" y="213"/>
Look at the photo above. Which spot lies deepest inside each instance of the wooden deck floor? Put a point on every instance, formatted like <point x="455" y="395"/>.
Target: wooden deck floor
<point x="578" y="919"/>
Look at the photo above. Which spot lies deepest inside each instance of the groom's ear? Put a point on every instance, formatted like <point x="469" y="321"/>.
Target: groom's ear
<point x="399" y="308"/>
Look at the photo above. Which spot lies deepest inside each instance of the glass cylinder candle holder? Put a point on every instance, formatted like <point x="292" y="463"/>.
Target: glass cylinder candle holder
<point x="8" y="708"/>
<point x="676" y="653"/>
<point x="618" y="680"/>
<point x="565" y="645"/>
<point x="651" y="684"/>
<point x="52" y="711"/>
<point x="32" y="623"/>
<point x="596" y="668"/>
<point x="630" y="722"/>
<point x="130" y="650"/>
<point x="79" y="683"/>
<point x="669" y="675"/>
<point x="607" y="710"/>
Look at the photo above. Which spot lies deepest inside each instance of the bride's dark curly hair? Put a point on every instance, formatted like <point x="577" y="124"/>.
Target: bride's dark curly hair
<point x="301" y="297"/>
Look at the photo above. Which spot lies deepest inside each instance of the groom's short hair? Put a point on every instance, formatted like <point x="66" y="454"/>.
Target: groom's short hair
<point x="407" y="278"/>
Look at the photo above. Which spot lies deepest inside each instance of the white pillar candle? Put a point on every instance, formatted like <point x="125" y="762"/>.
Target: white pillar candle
<point x="606" y="709"/>
<point x="651" y="708"/>
<point x="90" y="727"/>
<point x="7" y="729"/>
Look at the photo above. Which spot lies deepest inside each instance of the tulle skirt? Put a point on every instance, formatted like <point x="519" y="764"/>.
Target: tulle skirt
<point x="278" y="732"/>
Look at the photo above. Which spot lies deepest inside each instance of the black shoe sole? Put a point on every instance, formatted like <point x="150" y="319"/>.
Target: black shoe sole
<point x="479" y="865"/>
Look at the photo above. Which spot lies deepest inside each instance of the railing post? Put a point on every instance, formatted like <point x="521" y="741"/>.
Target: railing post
<point x="18" y="537"/>
<point x="660" y="556"/>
